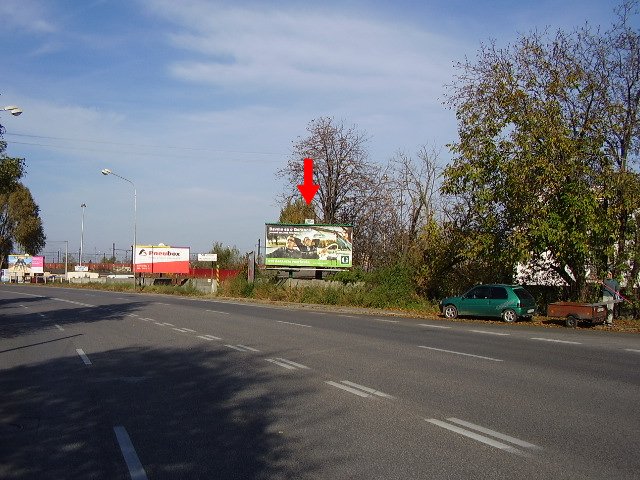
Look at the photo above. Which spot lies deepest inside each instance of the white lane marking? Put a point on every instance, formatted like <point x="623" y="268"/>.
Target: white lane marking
<point x="133" y="315"/>
<point x="182" y="330"/>
<point x="29" y="295"/>
<point x="632" y="350"/>
<point x="42" y="314"/>
<point x="136" y="471"/>
<point x="208" y="337"/>
<point x="160" y="303"/>
<point x="291" y="323"/>
<point x="386" y="321"/>
<point x="480" y="438"/>
<point x="284" y="365"/>
<point x="493" y="433"/>
<point x="72" y="302"/>
<point x="59" y="327"/>
<point x="555" y="341"/>
<point x="461" y="353"/>
<point x="167" y="324"/>
<point x="490" y="333"/>
<point x="83" y="356"/>
<point x="347" y="316"/>
<point x="366" y="389"/>
<point x="216" y="311"/>
<point x="297" y="365"/>
<point x="349" y="389"/>
<point x="432" y="326"/>
<point x="23" y="306"/>
<point x="251" y="349"/>
<point x="238" y="348"/>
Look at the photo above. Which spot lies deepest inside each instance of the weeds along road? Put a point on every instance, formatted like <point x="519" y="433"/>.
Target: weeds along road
<point x="109" y="385"/>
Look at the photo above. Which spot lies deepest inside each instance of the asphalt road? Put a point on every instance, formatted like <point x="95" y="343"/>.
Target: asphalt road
<point x="108" y="385"/>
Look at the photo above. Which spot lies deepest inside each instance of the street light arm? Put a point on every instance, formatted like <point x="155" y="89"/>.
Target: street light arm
<point x="106" y="171"/>
<point x="12" y="109"/>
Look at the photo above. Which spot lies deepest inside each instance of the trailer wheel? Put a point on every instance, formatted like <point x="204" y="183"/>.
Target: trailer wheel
<point x="571" y="321"/>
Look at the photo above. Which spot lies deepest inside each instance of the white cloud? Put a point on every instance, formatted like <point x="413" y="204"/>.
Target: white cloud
<point x="26" y="15"/>
<point x="280" y="50"/>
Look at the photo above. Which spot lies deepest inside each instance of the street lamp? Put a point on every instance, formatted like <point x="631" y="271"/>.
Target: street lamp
<point x="106" y="171"/>
<point x="12" y="109"/>
<point x="83" y="206"/>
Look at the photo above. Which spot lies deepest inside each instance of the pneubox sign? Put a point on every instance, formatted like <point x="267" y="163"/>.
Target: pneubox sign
<point x="293" y="245"/>
<point x="161" y="259"/>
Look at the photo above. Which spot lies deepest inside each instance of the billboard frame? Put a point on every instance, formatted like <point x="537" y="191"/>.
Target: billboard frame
<point x="301" y="246"/>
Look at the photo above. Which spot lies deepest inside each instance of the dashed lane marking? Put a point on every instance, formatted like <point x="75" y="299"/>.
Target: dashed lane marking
<point x="83" y="356"/>
<point x="357" y="389"/>
<point x="486" y="332"/>
<point x="288" y="364"/>
<point x="461" y="353"/>
<point x="292" y="323"/>
<point x="432" y="326"/>
<point x="482" y="438"/>
<point x="242" y="348"/>
<point x="136" y="471"/>
<point x="553" y="340"/>
<point x="209" y="337"/>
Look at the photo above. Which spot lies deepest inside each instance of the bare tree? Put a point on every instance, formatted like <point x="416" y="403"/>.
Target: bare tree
<point x="341" y="168"/>
<point x="415" y="188"/>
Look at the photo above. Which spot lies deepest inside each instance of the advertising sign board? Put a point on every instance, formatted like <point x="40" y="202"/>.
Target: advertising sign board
<point x="23" y="264"/>
<point x="293" y="245"/>
<point x="207" y="257"/>
<point x="161" y="259"/>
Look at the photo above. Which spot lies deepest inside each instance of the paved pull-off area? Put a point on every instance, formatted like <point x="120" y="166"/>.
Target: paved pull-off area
<point x="102" y="385"/>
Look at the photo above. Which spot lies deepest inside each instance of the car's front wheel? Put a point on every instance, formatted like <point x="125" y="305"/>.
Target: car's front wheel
<point x="450" y="311"/>
<point x="509" y="315"/>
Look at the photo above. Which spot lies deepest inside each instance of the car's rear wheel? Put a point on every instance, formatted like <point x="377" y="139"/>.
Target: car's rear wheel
<point x="571" y="321"/>
<point x="450" y="311"/>
<point x="509" y="315"/>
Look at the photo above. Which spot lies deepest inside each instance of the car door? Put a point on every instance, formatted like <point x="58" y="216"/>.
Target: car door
<point x="498" y="301"/>
<point x="475" y="301"/>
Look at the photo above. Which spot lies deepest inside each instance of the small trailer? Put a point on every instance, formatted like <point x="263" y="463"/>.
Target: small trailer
<point x="574" y="312"/>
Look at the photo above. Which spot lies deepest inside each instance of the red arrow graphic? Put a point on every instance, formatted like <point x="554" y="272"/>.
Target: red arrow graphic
<point x="308" y="189"/>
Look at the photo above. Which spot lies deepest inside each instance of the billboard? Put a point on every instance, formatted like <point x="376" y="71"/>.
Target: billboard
<point x="293" y="245"/>
<point x="25" y="265"/>
<point x="161" y="259"/>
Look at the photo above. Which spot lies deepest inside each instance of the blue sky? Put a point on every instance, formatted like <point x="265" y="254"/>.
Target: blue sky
<point x="198" y="102"/>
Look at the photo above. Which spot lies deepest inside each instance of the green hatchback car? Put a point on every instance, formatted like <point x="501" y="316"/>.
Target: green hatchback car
<point x="509" y="302"/>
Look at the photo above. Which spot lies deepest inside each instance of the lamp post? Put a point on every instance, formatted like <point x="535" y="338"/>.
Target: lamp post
<point x="83" y="206"/>
<point x="12" y="109"/>
<point x="106" y="171"/>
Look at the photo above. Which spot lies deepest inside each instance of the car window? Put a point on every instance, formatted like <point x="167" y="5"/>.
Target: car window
<point x="479" y="292"/>
<point x="499" y="293"/>
<point x="522" y="294"/>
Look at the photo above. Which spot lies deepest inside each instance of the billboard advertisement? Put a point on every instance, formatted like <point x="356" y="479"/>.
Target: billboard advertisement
<point x="25" y="265"/>
<point x="293" y="245"/>
<point x="161" y="259"/>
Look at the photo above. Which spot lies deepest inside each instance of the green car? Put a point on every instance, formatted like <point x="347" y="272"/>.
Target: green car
<point x="509" y="302"/>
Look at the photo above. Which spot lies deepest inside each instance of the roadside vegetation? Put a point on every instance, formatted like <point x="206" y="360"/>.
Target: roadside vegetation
<point x="542" y="185"/>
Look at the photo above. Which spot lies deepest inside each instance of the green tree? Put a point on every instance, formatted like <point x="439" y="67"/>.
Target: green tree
<point x="296" y="211"/>
<point x="537" y="164"/>
<point x="20" y="223"/>
<point x="228" y="257"/>
<point x="11" y="169"/>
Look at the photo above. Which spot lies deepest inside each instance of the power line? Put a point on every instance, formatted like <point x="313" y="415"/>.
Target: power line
<point x="120" y="144"/>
